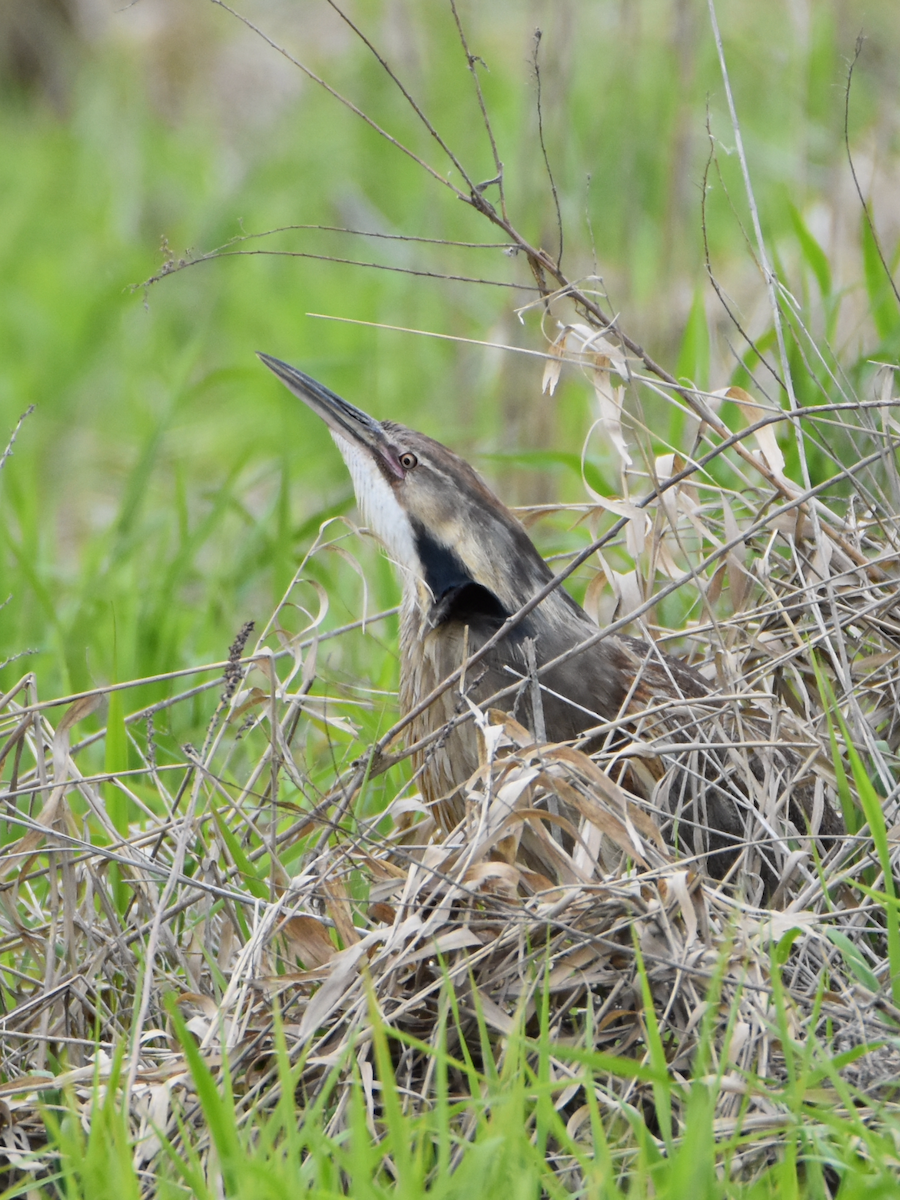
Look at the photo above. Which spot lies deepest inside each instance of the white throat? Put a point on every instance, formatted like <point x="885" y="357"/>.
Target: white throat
<point x="379" y="508"/>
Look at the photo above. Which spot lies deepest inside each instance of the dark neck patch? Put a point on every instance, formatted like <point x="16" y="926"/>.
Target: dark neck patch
<point x="469" y="603"/>
<point x="457" y="597"/>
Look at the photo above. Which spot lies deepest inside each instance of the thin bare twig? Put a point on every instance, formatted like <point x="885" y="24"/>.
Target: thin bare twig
<point x="540" y="116"/>
<point x="471" y="60"/>
<point x="860" y="42"/>
<point x="365" y="233"/>
<point x="769" y="275"/>
<point x="382" y="62"/>
<point x="542" y="265"/>
<point x="317" y="79"/>
<point x="172" y="265"/>
<point x="732" y="316"/>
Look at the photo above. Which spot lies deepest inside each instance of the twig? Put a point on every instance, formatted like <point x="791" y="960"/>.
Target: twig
<point x="15" y="433"/>
<point x="173" y="265"/>
<point x="448" y="337"/>
<point x="732" y="316"/>
<point x="471" y="60"/>
<point x="182" y="672"/>
<point x="540" y="116"/>
<point x="860" y="41"/>
<point x="542" y="266"/>
<point x="342" y="99"/>
<point x="365" y="233"/>
<point x="382" y="62"/>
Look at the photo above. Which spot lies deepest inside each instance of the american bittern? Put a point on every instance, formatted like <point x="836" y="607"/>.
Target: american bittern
<point x="466" y="565"/>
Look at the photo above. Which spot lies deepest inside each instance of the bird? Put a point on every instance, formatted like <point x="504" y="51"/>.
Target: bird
<point x="466" y="564"/>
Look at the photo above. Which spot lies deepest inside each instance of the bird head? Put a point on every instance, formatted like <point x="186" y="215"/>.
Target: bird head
<point x="456" y="544"/>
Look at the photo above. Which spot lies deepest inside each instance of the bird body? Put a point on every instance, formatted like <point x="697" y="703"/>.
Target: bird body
<point x="467" y="564"/>
<point x="461" y="600"/>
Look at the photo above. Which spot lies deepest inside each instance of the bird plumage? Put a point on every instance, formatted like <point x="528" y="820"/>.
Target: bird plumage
<point x="466" y="564"/>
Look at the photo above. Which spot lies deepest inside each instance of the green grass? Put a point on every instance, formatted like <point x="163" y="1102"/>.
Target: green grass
<point x="518" y="1141"/>
<point x="161" y="462"/>
<point x="165" y="488"/>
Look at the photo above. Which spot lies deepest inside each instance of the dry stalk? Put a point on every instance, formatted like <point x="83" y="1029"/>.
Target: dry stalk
<point x="264" y="888"/>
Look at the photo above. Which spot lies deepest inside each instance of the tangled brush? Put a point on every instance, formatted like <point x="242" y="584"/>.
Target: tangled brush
<point x="571" y="918"/>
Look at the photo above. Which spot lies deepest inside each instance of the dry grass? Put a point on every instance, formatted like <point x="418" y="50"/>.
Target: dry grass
<point x="212" y="878"/>
<point x="573" y="906"/>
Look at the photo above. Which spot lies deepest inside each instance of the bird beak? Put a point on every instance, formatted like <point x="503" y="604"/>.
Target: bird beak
<point x="343" y="419"/>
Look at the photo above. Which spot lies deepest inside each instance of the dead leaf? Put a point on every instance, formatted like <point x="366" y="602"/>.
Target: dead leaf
<point x="310" y="940"/>
<point x="588" y="806"/>
<point x="446" y="943"/>
<point x="765" y="437"/>
<point x="553" y="365"/>
<point x="337" y="903"/>
<point x="609" y="402"/>
<point x="537" y="882"/>
<point x="514" y="730"/>
<point x="499" y="878"/>
<point x="600" y="600"/>
<point x="341" y="977"/>
<point x="74" y="713"/>
<point x="384" y="914"/>
<point x="678" y="887"/>
<point x="574" y="963"/>
<point x="494" y="1015"/>
<point x="714" y="587"/>
<point x="608" y="789"/>
<point x="636" y="529"/>
<point x="627" y="585"/>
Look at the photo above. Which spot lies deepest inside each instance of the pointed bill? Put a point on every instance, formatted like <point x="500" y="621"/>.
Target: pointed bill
<point x="342" y="418"/>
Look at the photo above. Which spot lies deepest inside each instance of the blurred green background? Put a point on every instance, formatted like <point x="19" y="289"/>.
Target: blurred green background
<point x="165" y="488"/>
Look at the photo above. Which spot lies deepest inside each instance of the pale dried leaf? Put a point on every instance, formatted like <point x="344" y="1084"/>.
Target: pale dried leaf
<point x="821" y="559"/>
<point x="765" y="437"/>
<point x="600" y="600"/>
<point x="309" y="940"/>
<point x="664" y="468"/>
<point x="553" y="365"/>
<point x="499" y="877"/>
<point x="512" y="729"/>
<point x="575" y="963"/>
<point x="206" y="1004"/>
<point x="74" y="713"/>
<point x="628" y="589"/>
<point x="733" y="532"/>
<point x="738" y="582"/>
<point x="510" y="794"/>
<point x="156" y="1117"/>
<point x="678" y="886"/>
<point x="594" y="343"/>
<point x="666" y="563"/>
<point x="587" y="852"/>
<point x="494" y="1015"/>
<point x="445" y="943"/>
<point x="609" y="403"/>
<point x="342" y="975"/>
<point x="610" y="825"/>
<point x="367" y="1078"/>
<point x="338" y="905"/>
<point x="607" y="788"/>
<point x="714" y="587"/>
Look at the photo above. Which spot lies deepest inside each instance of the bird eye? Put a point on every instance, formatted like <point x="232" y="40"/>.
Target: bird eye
<point x="408" y="461"/>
